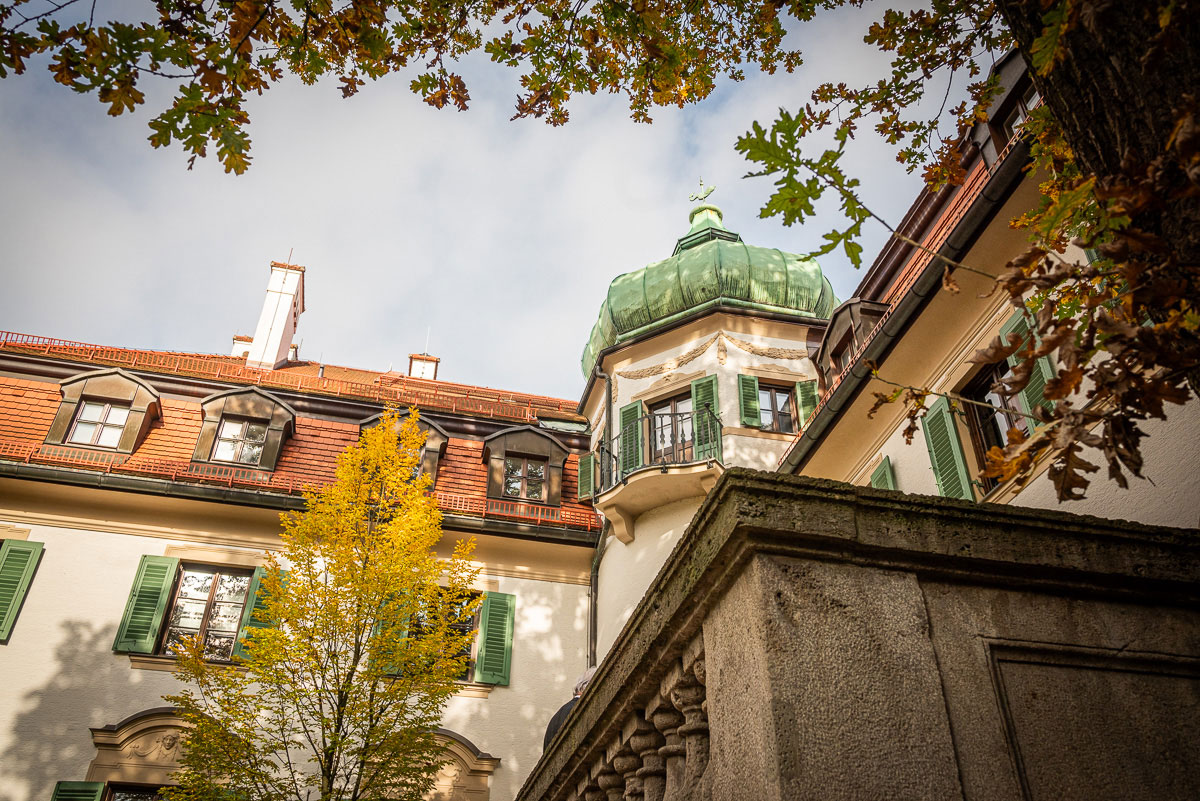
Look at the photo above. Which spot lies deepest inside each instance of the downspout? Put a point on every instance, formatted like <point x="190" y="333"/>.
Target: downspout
<point x="594" y="579"/>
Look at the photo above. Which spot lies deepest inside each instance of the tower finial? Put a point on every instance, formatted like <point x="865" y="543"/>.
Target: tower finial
<point x="704" y="192"/>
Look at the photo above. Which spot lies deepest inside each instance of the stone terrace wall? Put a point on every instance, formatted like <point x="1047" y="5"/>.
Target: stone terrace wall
<point x="809" y="639"/>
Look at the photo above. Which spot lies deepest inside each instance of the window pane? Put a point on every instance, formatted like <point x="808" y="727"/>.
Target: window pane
<point x="232" y="588"/>
<point x="536" y="469"/>
<point x="533" y="490"/>
<point x="225" y="617"/>
<point x="187" y="613"/>
<point x="766" y="417"/>
<point x="117" y="415"/>
<point x="110" y="436"/>
<point x="195" y="584"/>
<point x="256" y="432"/>
<point x="251" y="452"/>
<point x="232" y="429"/>
<point x="219" y="647"/>
<point x="83" y="433"/>
<point x="175" y="637"/>
<point x="225" y="450"/>
<point x="92" y="411"/>
<point x="512" y="467"/>
<point x="512" y="486"/>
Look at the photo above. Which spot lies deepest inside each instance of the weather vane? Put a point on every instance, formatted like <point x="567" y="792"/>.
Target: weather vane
<point x="704" y="192"/>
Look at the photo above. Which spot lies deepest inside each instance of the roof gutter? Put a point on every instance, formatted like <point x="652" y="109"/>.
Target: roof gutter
<point x="268" y="500"/>
<point x="1004" y="180"/>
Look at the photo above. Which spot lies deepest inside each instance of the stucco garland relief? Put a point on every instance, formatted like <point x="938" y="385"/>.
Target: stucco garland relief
<point x="721" y="339"/>
<point x="144" y="749"/>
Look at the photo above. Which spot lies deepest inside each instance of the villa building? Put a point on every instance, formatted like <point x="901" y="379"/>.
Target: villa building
<point x="609" y="534"/>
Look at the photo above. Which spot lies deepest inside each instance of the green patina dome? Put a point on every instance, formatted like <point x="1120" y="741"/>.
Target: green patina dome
<point x="710" y="267"/>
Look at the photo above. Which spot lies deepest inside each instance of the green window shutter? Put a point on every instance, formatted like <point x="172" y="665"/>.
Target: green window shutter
<point x="883" y="477"/>
<point x="586" y="469"/>
<point x="18" y="560"/>
<point x="806" y="401"/>
<point x="945" y="452"/>
<point x="748" y="398"/>
<point x="1033" y="395"/>
<point x="493" y="660"/>
<point x="147" y="604"/>
<point x="631" y="437"/>
<point x="78" y="791"/>
<point x="253" y="614"/>
<point x="706" y="422"/>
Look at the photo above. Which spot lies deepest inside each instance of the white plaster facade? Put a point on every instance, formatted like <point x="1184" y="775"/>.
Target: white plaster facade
<point x="61" y="677"/>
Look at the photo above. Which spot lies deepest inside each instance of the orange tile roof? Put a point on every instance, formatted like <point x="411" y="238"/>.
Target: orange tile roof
<point x="303" y="376"/>
<point x="27" y="409"/>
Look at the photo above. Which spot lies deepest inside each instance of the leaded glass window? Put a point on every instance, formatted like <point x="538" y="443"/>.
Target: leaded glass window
<point x="240" y="441"/>
<point x="207" y="605"/>
<point x="99" y="423"/>
<point x="525" y="477"/>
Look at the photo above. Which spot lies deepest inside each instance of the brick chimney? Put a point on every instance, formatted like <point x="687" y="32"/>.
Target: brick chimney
<point x="271" y="346"/>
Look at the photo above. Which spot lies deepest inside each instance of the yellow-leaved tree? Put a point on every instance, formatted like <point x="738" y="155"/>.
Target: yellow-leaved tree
<point x="360" y="632"/>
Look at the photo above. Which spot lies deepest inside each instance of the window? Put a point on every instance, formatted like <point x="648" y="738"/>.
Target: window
<point x="208" y="604"/>
<point x="129" y="792"/>
<point x="170" y="601"/>
<point x="463" y="626"/>
<point x="525" y="477"/>
<point x="99" y="423"/>
<point x="244" y="427"/>
<point x="671" y="434"/>
<point x="989" y="427"/>
<point x="110" y="409"/>
<point x="1019" y="112"/>
<point x="775" y="409"/>
<point x="240" y="441"/>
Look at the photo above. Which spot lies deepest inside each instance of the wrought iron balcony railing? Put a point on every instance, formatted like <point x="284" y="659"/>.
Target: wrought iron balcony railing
<point x="658" y="439"/>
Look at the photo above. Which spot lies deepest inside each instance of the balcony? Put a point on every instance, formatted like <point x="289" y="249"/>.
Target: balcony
<point x="656" y="459"/>
<point x="813" y="640"/>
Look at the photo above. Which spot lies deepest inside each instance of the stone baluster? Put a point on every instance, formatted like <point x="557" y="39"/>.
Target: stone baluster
<point x="645" y="741"/>
<point x="667" y="719"/>
<point x="606" y="776"/>
<point x="626" y="763"/>
<point x="688" y="695"/>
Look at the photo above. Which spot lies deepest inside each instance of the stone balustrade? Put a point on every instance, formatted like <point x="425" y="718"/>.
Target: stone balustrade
<point x="808" y="639"/>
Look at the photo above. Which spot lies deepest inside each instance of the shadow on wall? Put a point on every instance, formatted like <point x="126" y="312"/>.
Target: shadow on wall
<point x="50" y="737"/>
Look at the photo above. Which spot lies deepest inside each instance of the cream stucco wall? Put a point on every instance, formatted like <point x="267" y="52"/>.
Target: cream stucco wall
<point x="60" y="677"/>
<point x="626" y="570"/>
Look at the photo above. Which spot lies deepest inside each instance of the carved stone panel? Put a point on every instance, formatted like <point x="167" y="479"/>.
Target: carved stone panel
<point x="142" y="749"/>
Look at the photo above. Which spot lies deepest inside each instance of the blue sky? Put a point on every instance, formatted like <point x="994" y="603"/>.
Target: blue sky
<point x="497" y="239"/>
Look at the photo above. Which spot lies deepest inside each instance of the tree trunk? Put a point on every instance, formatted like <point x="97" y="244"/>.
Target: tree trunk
<point x="1114" y="102"/>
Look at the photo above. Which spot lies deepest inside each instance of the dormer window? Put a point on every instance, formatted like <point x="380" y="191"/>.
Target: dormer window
<point x="110" y="409"/>
<point x="524" y="464"/>
<point x="525" y="477"/>
<point x="99" y="423"/>
<point x="240" y="441"/>
<point x="245" y="427"/>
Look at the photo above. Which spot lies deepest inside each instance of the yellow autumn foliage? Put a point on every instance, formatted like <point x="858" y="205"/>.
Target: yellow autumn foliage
<point x="362" y="633"/>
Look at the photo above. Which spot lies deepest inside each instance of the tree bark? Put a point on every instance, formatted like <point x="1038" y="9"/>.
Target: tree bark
<point x="1117" y="101"/>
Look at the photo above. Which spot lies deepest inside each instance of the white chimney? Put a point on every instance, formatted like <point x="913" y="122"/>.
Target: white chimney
<point x="422" y="365"/>
<point x="241" y="345"/>
<point x="272" y="342"/>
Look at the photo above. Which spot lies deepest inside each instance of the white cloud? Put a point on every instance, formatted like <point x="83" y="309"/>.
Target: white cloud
<point x="498" y="237"/>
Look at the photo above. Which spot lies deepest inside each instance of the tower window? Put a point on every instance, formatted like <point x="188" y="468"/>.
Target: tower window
<point x="775" y="409"/>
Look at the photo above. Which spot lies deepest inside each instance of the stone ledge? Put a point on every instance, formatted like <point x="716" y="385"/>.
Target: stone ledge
<point x="750" y="512"/>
